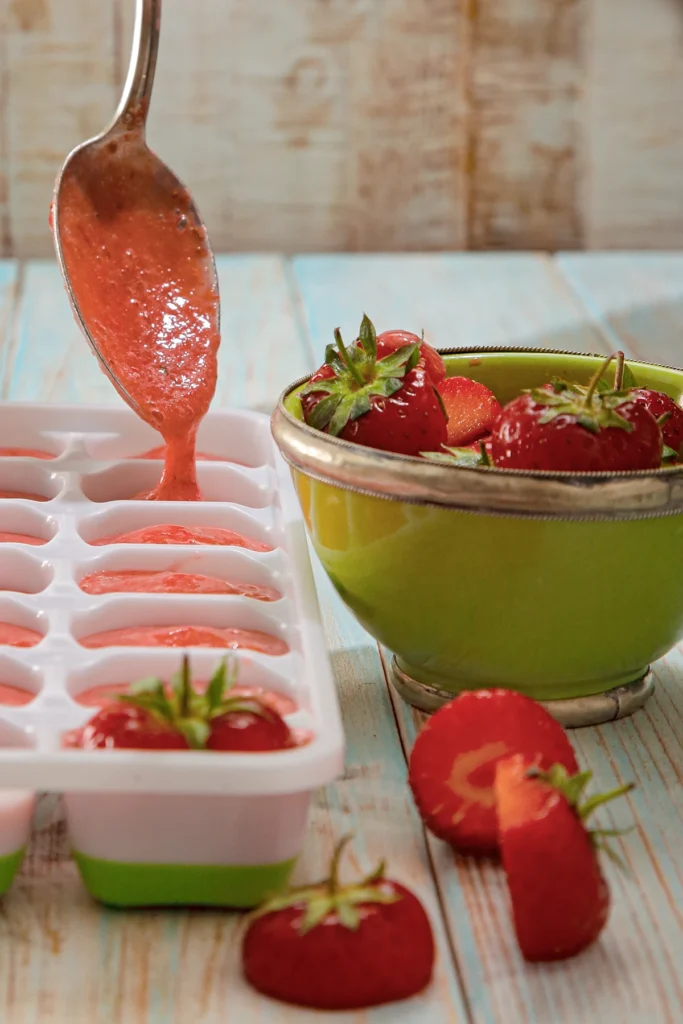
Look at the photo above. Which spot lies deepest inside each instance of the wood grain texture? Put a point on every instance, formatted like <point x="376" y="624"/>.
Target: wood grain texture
<point x="458" y="299"/>
<point x="58" y="90"/>
<point x="63" y="957"/>
<point x="635" y="299"/>
<point x="524" y="83"/>
<point x="632" y="136"/>
<point x="367" y="125"/>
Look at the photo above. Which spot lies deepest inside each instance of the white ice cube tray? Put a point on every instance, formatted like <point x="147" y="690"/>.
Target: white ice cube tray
<point x="129" y="808"/>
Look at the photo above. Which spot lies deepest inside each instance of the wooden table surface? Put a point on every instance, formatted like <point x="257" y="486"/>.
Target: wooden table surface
<point x="64" y="960"/>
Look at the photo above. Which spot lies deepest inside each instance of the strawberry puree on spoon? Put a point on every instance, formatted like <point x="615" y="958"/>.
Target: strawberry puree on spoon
<point x="139" y="272"/>
<point x="168" y="533"/>
<point x="168" y="582"/>
<point x="228" y="638"/>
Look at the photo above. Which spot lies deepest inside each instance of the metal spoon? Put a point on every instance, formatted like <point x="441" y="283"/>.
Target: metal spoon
<point x="124" y="140"/>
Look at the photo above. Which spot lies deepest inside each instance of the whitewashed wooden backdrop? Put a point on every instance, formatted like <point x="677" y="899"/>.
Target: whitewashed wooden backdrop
<point x="369" y="124"/>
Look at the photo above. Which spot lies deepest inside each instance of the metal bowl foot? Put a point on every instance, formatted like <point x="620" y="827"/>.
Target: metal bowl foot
<point x="572" y="713"/>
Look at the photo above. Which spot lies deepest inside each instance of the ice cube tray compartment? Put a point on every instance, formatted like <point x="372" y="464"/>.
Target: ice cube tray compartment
<point x="88" y="486"/>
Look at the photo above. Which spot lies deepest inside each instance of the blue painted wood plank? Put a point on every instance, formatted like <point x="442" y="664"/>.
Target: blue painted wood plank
<point x="84" y="962"/>
<point x="8" y="293"/>
<point x="459" y="299"/>
<point x="636" y="299"/>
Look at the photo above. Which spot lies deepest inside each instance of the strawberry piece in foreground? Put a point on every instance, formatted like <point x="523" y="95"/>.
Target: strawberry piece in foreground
<point x="390" y="341"/>
<point x="471" y="408"/>
<point x="666" y="411"/>
<point x="340" y="947"/>
<point x="389" y="403"/>
<point x="454" y="759"/>
<point x="560" y="900"/>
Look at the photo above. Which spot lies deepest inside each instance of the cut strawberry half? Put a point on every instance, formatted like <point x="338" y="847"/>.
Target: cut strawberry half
<point x="471" y="408"/>
<point x="453" y="763"/>
<point x="560" y="900"/>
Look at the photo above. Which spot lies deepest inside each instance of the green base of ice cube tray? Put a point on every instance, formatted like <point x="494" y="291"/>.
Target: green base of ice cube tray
<point x="9" y="865"/>
<point x="192" y="885"/>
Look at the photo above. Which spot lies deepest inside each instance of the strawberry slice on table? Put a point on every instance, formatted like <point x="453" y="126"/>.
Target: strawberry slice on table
<point x="340" y="947"/>
<point x="567" y="427"/>
<point x="453" y="762"/>
<point x="389" y="403"/>
<point x="390" y="341"/>
<point x="152" y="716"/>
<point x="560" y="899"/>
<point x="472" y="410"/>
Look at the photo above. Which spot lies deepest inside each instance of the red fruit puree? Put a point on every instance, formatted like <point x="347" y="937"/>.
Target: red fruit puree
<point x="139" y="273"/>
<point x="22" y="494"/>
<point x="14" y="696"/>
<point x="97" y="696"/>
<point x="168" y="582"/>
<point x="167" y="533"/>
<point x="19" y="538"/>
<point x="18" y="636"/>
<point x="160" y="453"/>
<point x="187" y="636"/>
<point x="27" y="453"/>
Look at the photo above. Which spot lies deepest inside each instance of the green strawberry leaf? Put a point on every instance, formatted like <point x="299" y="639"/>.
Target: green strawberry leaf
<point x="195" y="731"/>
<point x="628" y="381"/>
<point x="323" y="411"/>
<point x="218" y="684"/>
<point x="368" y="337"/>
<point x="669" y="454"/>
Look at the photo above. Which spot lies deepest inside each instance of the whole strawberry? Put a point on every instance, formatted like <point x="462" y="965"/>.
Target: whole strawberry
<point x="340" y="947"/>
<point x="389" y="403"/>
<point x="390" y="341"/>
<point x="560" y="900"/>
<point x="668" y="414"/>
<point x="568" y="427"/>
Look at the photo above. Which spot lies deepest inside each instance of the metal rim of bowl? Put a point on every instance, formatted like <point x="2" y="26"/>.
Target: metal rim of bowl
<point x="572" y="713"/>
<point x="642" y="494"/>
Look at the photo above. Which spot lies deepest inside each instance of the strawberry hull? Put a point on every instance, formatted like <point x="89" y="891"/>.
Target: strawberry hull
<point x="478" y="578"/>
<point x="158" y="827"/>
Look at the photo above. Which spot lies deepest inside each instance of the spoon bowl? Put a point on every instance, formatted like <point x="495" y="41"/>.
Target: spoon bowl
<point x="116" y="169"/>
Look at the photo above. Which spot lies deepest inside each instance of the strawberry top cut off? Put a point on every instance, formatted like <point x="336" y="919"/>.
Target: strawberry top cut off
<point x="152" y="716"/>
<point x="340" y="947"/>
<point x="454" y="759"/>
<point x="560" y="900"/>
<point x="389" y="403"/>
<point x="566" y="427"/>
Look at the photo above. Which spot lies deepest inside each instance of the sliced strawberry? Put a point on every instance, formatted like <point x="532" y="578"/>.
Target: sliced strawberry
<point x="560" y="900"/>
<point x="453" y="762"/>
<point x="390" y="341"/>
<point x="471" y="408"/>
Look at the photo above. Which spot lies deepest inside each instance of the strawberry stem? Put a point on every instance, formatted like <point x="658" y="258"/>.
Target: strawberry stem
<point x="619" y="372"/>
<point x="348" y="362"/>
<point x="595" y="379"/>
<point x="333" y="883"/>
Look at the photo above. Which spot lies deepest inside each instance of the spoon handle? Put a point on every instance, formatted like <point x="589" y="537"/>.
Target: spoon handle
<point x="134" y="103"/>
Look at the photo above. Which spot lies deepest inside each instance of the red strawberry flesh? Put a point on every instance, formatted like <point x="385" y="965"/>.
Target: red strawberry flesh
<point x="454" y="759"/>
<point x="472" y="410"/>
<point x="390" y="341"/>
<point x="560" y="900"/>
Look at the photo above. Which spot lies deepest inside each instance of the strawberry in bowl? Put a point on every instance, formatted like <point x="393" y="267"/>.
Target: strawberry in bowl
<point x="152" y="716"/>
<point x="472" y="567"/>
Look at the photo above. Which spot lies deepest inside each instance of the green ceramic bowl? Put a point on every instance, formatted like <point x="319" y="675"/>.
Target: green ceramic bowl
<point x="559" y="585"/>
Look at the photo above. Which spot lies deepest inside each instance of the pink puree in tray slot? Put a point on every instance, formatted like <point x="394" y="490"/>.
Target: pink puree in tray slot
<point x="14" y="696"/>
<point x="26" y="453"/>
<point x="167" y="533"/>
<point x="18" y="636"/>
<point x="228" y="638"/>
<point x="21" y="494"/>
<point x="19" y="538"/>
<point x="97" y="696"/>
<point x="168" y="582"/>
